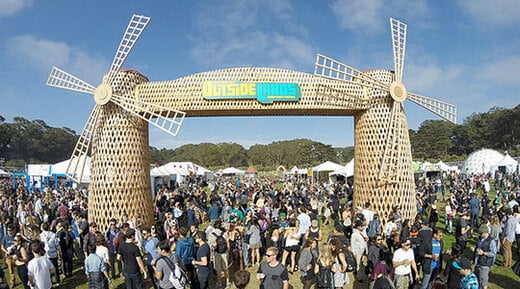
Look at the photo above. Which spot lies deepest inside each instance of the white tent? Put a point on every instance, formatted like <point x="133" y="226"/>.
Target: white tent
<point x="327" y="166"/>
<point x="179" y="169"/>
<point x="296" y="171"/>
<point x="232" y="171"/>
<point x="446" y="168"/>
<point x="508" y="162"/>
<point x="4" y="174"/>
<point x="346" y="171"/>
<point x="61" y="168"/>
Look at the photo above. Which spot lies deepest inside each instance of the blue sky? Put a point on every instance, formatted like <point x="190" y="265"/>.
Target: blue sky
<point x="466" y="52"/>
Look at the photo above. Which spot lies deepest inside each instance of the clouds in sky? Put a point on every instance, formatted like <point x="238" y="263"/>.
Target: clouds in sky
<point x="41" y="54"/>
<point x="11" y="7"/>
<point x="497" y="12"/>
<point x="371" y="15"/>
<point x="239" y="33"/>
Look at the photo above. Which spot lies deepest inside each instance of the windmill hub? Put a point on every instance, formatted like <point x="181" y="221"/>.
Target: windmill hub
<point x="103" y="93"/>
<point x="398" y="91"/>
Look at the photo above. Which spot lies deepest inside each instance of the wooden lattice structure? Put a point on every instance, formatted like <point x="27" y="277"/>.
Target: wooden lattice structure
<point x="126" y="102"/>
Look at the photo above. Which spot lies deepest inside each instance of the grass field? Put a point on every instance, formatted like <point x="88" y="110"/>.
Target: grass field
<point x="499" y="277"/>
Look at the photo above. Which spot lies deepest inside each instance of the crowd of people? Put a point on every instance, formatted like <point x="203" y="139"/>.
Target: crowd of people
<point x="274" y="227"/>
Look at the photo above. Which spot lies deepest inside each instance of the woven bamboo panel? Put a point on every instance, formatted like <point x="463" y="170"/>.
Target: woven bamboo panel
<point x="120" y="178"/>
<point x="370" y="128"/>
<point x="319" y="96"/>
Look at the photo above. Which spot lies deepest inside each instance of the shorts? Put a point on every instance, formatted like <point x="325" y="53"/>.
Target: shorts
<point x="221" y="262"/>
<point x="255" y="246"/>
<point x="482" y="275"/>
<point x="294" y="248"/>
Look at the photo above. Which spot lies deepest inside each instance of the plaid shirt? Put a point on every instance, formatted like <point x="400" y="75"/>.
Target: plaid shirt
<point x="469" y="282"/>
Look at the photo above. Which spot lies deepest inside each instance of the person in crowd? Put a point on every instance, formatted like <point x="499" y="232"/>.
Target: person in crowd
<point x="40" y="268"/>
<point x="462" y="229"/>
<point x="484" y="256"/>
<point x="202" y="260"/>
<point x="241" y="279"/>
<point x="254" y="240"/>
<point x="509" y="237"/>
<point x="306" y="262"/>
<point x="150" y="250"/>
<point x="359" y="246"/>
<point x="403" y="262"/>
<point x="20" y="257"/>
<point x="431" y="256"/>
<point x="468" y="280"/>
<point x="111" y="235"/>
<point x="133" y="265"/>
<point x="219" y="243"/>
<point x="185" y="249"/>
<point x="96" y="270"/>
<point x="271" y="273"/>
<point x="339" y="252"/>
<point x="66" y="241"/>
<point x="51" y="247"/>
<point x="162" y="266"/>
<point x="292" y="240"/>
<point x="8" y="245"/>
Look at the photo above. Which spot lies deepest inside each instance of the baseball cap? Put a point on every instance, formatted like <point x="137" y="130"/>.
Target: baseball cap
<point x="483" y="229"/>
<point x="462" y="264"/>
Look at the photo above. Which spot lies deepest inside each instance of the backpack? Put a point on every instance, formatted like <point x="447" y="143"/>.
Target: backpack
<point x="351" y="261"/>
<point x="177" y="274"/>
<point x="325" y="277"/>
<point x="221" y="244"/>
<point x="185" y="250"/>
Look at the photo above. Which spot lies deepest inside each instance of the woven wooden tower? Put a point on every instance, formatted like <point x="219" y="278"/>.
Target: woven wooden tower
<point x="126" y="102"/>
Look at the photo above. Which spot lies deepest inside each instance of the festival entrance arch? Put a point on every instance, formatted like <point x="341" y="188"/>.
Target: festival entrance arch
<point x="126" y="102"/>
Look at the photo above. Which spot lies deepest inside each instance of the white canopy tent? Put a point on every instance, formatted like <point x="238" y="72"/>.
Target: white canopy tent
<point x="60" y="169"/>
<point x="4" y="174"/>
<point x="178" y="170"/>
<point x="346" y="171"/>
<point x="508" y="162"/>
<point x="327" y="166"/>
<point x="296" y="171"/>
<point x="232" y="171"/>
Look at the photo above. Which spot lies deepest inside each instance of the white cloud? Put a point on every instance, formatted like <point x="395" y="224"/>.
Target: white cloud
<point x="371" y="15"/>
<point x="497" y="12"/>
<point x="42" y="54"/>
<point x="10" y="7"/>
<point x="503" y="71"/>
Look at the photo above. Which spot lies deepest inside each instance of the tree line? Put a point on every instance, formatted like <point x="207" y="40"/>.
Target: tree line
<point x="23" y="141"/>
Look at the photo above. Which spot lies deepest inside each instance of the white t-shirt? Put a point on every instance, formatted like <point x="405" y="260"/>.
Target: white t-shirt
<point x="102" y="252"/>
<point x="369" y="215"/>
<point x="39" y="269"/>
<point x="402" y="255"/>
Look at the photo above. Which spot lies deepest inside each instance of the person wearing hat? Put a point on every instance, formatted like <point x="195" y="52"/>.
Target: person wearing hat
<point x="484" y="255"/>
<point x="431" y="255"/>
<point x="403" y="263"/>
<point x="469" y="280"/>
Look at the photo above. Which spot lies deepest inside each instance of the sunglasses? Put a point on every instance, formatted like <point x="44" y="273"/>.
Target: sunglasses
<point x="268" y="255"/>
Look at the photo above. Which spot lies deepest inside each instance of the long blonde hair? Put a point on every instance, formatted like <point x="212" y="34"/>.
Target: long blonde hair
<point x="325" y="254"/>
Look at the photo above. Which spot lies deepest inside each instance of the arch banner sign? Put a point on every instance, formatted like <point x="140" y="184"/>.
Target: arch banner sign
<point x="264" y="92"/>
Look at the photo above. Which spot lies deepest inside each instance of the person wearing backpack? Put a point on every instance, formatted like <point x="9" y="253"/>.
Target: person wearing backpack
<point x="66" y="241"/>
<point x="220" y="245"/>
<point x="340" y="266"/>
<point x="185" y="249"/>
<point x="51" y="247"/>
<point x="306" y="262"/>
<point x="323" y="268"/>
<point x="168" y="269"/>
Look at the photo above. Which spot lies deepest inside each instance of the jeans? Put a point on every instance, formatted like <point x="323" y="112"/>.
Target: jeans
<point x="245" y="253"/>
<point x="54" y="262"/>
<point x="113" y="261"/>
<point x="203" y="276"/>
<point x="428" y="277"/>
<point x="66" y="261"/>
<point x="132" y="279"/>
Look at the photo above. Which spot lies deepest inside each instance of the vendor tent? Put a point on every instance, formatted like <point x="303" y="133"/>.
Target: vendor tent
<point x="4" y="174"/>
<point x="60" y="169"/>
<point x="327" y="166"/>
<point x="346" y="171"/>
<point x="506" y="162"/>
<point x="232" y="171"/>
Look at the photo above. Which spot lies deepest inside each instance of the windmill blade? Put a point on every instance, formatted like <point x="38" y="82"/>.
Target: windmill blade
<point x="168" y="120"/>
<point x="399" y="46"/>
<point x="133" y="32"/>
<point x="443" y="109"/>
<point x="62" y="79"/>
<point x="355" y="99"/>
<point x="79" y="155"/>
<point x="333" y="69"/>
<point x="390" y="161"/>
